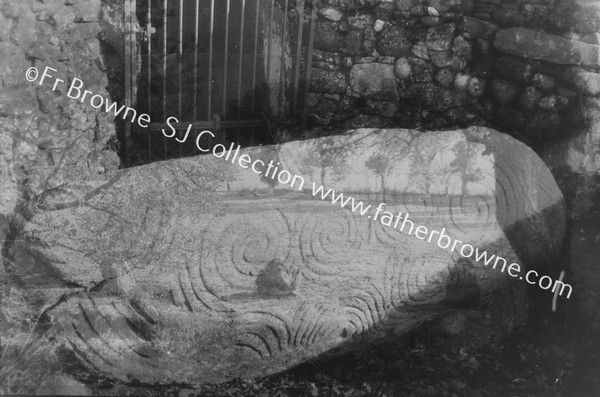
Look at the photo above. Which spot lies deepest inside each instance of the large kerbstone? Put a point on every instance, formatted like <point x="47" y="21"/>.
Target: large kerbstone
<point x="546" y="47"/>
<point x="190" y="271"/>
<point x="374" y="80"/>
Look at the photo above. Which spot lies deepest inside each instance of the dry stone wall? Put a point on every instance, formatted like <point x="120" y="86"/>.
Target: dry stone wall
<point x="48" y="142"/>
<point x="523" y="67"/>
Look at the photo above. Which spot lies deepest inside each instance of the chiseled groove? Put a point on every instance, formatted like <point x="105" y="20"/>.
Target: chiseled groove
<point x="356" y="327"/>
<point x="88" y="322"/>
<point x="395" y="292"/>
<point x="328" y="331"/>
<point x="262" y="339"/>
<point x="133" y="346"/>
<point x="383" y="310"/>
<point x="217" y="269"/>
<point x="139" y="310"/>
<point x="196" y="295"/>
<point x="369" y="310"/>
<point x="308" y="336"/>
<point x="186" y="301"/>
<point x="310" y="327"/>
<point x="314" y="333"/>
<point x="251" y="348"/>
<point x="81" y="356"/>
<point x="276" y="335"/>
<point x="87" y="345"/>
<point x="191" y="281"/>
<point x="285" y="325"/>
<point x="364" y="320"/>
<point x="299" y="326"/>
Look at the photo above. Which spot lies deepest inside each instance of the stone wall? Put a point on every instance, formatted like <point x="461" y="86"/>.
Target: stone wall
<point x="523" y="67"/>
<point x="50" y="144"/>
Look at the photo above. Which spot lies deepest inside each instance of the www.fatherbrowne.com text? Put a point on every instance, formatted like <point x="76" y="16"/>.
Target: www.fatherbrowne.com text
<point x="271" y="170"/>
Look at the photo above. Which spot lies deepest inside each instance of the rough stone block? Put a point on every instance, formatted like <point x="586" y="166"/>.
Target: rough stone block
<point x="586" y="82"/>
<point x="328" y="81"/>
<point x="439" y="38"/>
<point x="546" y="47"/>
<point x="477" y="28"/>
<point x="394" y="42"/>
<point x="374" y="80"/>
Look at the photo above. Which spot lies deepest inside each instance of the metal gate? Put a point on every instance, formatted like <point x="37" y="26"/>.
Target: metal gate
<point x="234" y="67"/>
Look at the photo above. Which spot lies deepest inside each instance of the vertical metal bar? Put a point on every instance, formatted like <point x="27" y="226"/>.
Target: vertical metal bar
<point x="296" y="92"/>
<point x="255" y="60"/>
<point x="196" y="32"/>
<point x="210" y="57"/>
<point x="269" y="47"/>
<point x="240" y="59"/>
<point x="149" y="71"/>
<point x="311" y="43"/>
<point x="180" y="68"/>
<point x="180" y="49"/>
<point x="165" y="26"/>
<point x="224" y="104"/>
<point x="282" y="70"/>
<point x="128" y="72"/>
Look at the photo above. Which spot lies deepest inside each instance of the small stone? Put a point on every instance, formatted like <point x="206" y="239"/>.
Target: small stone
<point x="406" y="5"/>
<point x="441" y="59"/>
<point x="422" y="71"/>
<point x="431" y="20"/>
<point x="327" y="37"/>
<point x="353" y="42"/>
<point x="361" y="21"/>
<point x="592" y="38"/>
<point x="439" y="38"/>
<point x="403" y="68"/>
<point x="462" y="47"/>
<point x="331" y="13"/>
<point x="571" y="36"/>
<point x="477" y="28"/>
<point x="327" y="81"/>
<point x="553" y="102"/>
<point x="419" y="10"/>
<point x="444" y="77"/>
<point x="394" y="42"/>
<point x="379" y="25"/>
<point x="503" y="91"/>
<point x="530" y="97"/>
<point x="420" y="50"/>
<point x="374" y="80"/>
<point x="543" y="82"/>
<point x="461" y="81"/>
<point x="443" y="6"/>
<point x="476" y="87"/>
<point x="370" y="33"/>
